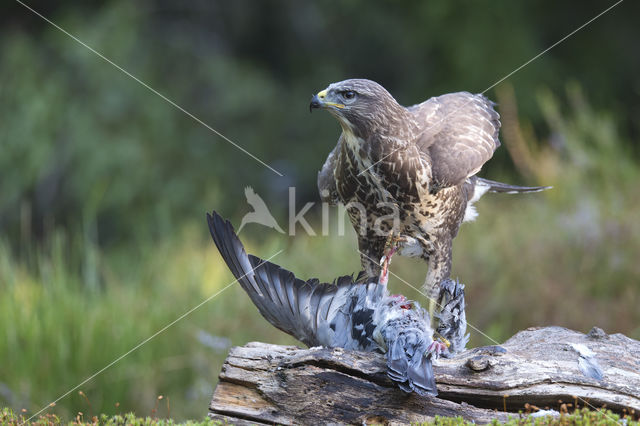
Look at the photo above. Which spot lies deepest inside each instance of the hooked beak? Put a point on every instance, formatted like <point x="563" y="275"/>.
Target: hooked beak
<point x="315" y="103"/>
<point x="319" y="101"/>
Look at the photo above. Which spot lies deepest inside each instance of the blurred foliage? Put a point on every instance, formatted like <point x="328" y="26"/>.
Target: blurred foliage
<point x="104" y="185"/>
<point x="58" y="331"/>
<point x="82" y="141"/>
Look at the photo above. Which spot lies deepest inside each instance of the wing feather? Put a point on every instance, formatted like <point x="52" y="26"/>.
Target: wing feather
<point x="326" y="177"/>
<point x="459" y="134"/>
<point x="299" y="308"/>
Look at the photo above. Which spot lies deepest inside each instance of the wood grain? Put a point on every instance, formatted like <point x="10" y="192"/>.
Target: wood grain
<point x="263" y="383"/>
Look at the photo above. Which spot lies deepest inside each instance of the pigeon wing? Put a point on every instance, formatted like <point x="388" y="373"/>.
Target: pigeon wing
<point x="302" y="309"/>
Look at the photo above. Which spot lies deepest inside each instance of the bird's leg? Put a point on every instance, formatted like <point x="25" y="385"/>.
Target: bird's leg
<point x="370" y="248"/>
<point x="432" y="285"/>
<point x="390" y="248"/>
<point x="436" y="348"/>
<point x="384" y="275"/>
<point x="386" y="260"/>
<point x="439" y="269"/>
<point x="439" y="345"/>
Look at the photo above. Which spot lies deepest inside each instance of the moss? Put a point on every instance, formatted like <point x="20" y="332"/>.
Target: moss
<point x="581" y="417"/>
<point x="7" y="416"/>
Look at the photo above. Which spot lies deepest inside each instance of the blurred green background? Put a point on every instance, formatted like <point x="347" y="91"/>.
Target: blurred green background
<point x="104" y="185"/>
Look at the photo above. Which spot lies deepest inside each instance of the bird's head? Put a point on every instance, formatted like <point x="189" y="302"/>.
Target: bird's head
<point x="360" y="105"/>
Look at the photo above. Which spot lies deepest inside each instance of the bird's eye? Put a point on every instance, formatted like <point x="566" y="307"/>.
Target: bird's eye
<point x="349" y="94"/>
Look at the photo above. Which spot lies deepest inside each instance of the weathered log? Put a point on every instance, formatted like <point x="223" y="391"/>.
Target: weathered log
<point x="543" y="367"/>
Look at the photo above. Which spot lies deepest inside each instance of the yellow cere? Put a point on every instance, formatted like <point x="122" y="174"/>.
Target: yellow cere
<point x="323" y="94"/>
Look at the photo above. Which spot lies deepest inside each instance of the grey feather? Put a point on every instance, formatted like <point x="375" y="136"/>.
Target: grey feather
<point x="587" y="361"/>
<point x="507" y="188"/>
<point x="344" y="314"/>
<point x="452" y="318"/>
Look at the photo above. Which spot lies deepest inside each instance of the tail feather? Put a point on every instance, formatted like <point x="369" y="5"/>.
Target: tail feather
<point x="397" y="362"/>
<point x="409" y="366"/>
<point x="421" y="376"/>
<point x="294" y="306"/>
<point x="506" y="188"/>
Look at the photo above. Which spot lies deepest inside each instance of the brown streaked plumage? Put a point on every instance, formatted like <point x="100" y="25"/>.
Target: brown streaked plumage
<point x="418" y="162"/>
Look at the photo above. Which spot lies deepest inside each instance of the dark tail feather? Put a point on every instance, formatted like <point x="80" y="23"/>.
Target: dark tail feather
<point x="245" y="271"/>
<point x="288" y="303"/>
<point x="509" y="189"/>
<point x="233" y="253"/>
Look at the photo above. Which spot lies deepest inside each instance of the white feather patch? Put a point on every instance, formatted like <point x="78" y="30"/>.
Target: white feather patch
<point x="410" y="247"/>
<point x="470" y="213"/>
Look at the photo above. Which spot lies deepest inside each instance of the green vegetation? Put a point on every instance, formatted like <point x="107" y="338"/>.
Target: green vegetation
<point x="8" y="417"/>
<point x="104" y="186"/>
<point x="581" y="417"/>
<point x="63" y="330"/>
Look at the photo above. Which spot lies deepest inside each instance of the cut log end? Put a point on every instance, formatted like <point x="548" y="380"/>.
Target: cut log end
<point x="538" y="367"/>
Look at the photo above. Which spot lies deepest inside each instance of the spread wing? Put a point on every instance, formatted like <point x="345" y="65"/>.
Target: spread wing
<point x="459" y="134"/>
<point x="310" y="311"/>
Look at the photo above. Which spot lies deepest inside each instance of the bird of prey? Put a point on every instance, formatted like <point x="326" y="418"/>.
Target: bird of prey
<point x="410" y="171"/>
<point x="343" y="314"/>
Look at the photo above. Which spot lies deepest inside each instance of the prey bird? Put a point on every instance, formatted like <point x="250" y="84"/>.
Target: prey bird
<point x="345" y="314"/>
<point x="408" y="171"/>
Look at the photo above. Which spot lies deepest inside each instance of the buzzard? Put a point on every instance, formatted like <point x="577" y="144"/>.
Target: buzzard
<point x="409" y="171"/>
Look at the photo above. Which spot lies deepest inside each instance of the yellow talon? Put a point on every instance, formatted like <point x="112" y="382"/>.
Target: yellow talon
<point x="443" y="339"/>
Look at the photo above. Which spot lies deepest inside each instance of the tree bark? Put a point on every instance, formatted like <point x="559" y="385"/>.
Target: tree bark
<point x="536" y="368"/>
